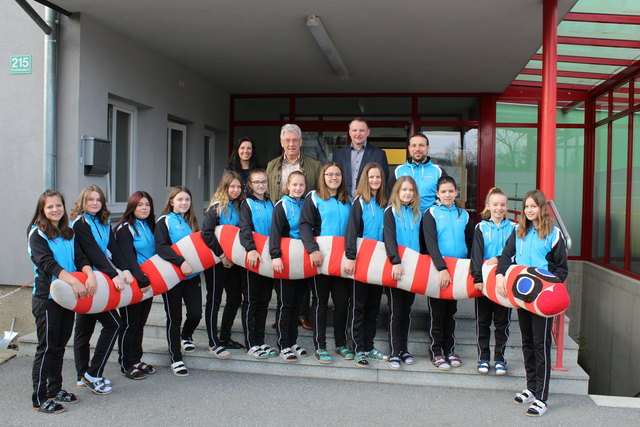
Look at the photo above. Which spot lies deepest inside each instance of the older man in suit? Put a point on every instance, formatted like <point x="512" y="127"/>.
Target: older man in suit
<point x="353" y="157"/>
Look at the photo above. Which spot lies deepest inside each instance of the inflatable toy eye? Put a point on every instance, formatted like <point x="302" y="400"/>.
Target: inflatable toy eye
<point x="526" y="287"/>
<point x="541" y="272"/>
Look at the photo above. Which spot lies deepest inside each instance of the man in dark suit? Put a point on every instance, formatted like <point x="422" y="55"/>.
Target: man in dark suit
<point x="353" y="157"/>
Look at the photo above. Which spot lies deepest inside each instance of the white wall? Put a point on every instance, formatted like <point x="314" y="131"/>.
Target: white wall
<point x="94" y="64"/>
<point x="21" y="118"/>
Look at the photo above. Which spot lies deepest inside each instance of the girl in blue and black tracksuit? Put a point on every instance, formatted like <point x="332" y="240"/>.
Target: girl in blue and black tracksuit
<point x="134" y="234"/>
<point x="401" y="227"/>
<point x="535" y="242"/>
<point x="285" y="223"/>
<point x="256" y="212"/>
<point x="489" y="239"/>
<point x="448" y="231"/>
<point x="177" y="220"/>
<point x="223" y="210"/>
<point x="366" y="221"/>
<point x="93" y="232"/>
<point x="55" y="253"/>
<point x="326" y="213"/>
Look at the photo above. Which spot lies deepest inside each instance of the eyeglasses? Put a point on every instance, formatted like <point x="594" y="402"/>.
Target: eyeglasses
<point x="259" y="182"/>
<point x="333" y="175"/>
<point x="288" y="140"/>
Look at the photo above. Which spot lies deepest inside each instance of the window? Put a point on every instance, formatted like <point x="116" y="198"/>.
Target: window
<point x="209" y="147"/>
<point x="121" y="133"/>
<point x="176" y="154"/>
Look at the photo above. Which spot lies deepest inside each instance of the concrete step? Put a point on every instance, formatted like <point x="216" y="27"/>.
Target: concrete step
<point x="574" y="381"/>
<point x="418" y="338"/>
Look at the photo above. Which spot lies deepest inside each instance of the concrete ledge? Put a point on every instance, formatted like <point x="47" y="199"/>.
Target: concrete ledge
<point x="616" y="401"/>
<point x="6" y="355"/>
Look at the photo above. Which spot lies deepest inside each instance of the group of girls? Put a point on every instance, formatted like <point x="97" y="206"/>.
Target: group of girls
<point x="58" y="247"/>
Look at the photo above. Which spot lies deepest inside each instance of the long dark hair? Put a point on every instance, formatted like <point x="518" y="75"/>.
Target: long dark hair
<point x="132" y="204"/>
<point x="234" y="161"/>
<point x="40" y="220"/>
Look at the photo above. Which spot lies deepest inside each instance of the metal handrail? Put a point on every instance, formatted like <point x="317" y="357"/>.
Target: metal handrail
<point x="558" y="218"/>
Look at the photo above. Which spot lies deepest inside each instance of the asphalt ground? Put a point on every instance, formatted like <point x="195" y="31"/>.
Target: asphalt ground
<point x="222" y="398"/>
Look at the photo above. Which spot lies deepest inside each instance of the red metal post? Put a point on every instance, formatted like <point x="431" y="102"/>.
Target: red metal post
<point x="486" y="148"/>
<point x="547" y="143"/>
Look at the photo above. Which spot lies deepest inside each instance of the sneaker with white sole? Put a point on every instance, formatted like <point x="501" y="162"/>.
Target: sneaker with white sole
<point x="219" y="352"/>
<point x="537" y="409"/>
<point x="525" y="396"/>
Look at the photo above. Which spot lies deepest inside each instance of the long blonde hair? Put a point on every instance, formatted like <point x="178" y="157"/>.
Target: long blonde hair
<point x="78" y="207"/>
<point x="364" y="189"/>
<point x="545" y="224"/>
<point x="221" y="194"/>
<point x="189" y="216"/>
<point x="414" y="204"/>
<point x="486" y="212"/>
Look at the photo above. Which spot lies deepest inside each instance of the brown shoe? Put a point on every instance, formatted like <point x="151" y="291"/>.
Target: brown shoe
<point x="305" y="323"/>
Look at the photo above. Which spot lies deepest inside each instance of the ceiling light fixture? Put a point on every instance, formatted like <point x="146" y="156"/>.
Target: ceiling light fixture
<point x="319" y="33"/>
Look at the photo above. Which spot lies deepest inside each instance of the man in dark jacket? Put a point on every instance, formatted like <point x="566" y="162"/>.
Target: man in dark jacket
<point x="353" y="157"/>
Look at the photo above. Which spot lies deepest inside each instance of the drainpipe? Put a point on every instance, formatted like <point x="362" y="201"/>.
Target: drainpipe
<point x="547" y="146"/>
<point x="50" y="95"/>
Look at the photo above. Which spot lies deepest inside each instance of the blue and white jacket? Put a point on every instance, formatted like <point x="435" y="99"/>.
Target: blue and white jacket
<point x="137" y="245"/>
<point x="284" y="223"/>
<point x="50" y="257"/>
<point x="447" y="232"/>
<point x="322" y="218"/>
<point x="255" y="215"/>
<point x="170" y="228"/>
<point x="488" y="242"/>
<point x="365" y="220"/>
<point x="426" y="176"/>
<point x="549" y="254"/>
<point x="400" y="228"/>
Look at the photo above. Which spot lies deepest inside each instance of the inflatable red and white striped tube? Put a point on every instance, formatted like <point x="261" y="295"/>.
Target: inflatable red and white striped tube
<point x="533" y="289"/>
<point x="162" y="275"/>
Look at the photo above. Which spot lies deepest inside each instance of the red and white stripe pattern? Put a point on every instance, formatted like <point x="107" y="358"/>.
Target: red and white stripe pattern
<point x="372" y="266"/>
<point x="162" y="275"/>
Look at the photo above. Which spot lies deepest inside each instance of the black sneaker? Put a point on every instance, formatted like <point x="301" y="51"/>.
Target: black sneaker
<point x="50" y="407"/>
<point x="66" y="397"/>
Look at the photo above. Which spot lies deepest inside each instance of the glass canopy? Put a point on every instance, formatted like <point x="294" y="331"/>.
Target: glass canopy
<point x="596" y="40"/>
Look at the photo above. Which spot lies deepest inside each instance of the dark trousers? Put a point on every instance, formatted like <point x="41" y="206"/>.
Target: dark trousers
<point x="536" y="349"/>
<point x="339" y="289"/>
<point x="363" y="313"/>
<point x="85" y="325"/>
<point x="256" y="294"/>
<point x="400" y="302"/>
<point x="134" y="317"/>
<point x="305" y="306"/>
<point x="290" y="297"/>
<point x="488" y="311"/>
<point x="220" y="278"/>
<point x="189" y="291"/>
<point x="53" y="328"/>
<point x="442" y="326"/>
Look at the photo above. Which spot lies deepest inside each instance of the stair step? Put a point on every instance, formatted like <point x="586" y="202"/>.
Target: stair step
<point x="574" y="381"/>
